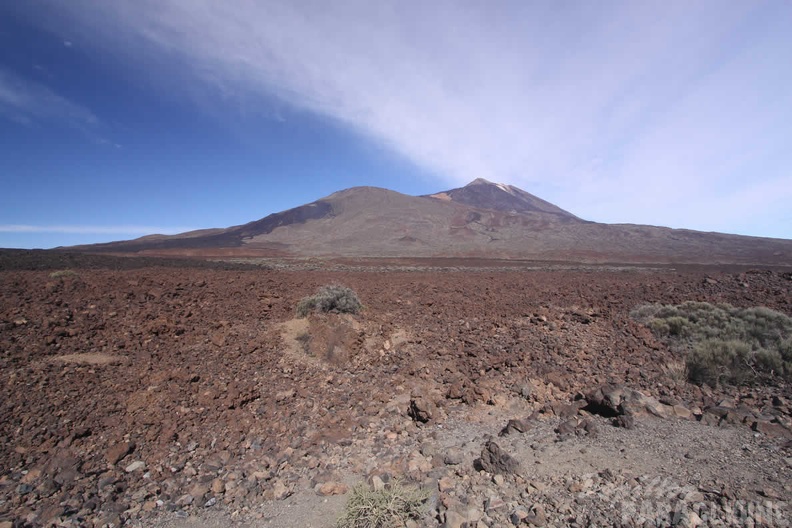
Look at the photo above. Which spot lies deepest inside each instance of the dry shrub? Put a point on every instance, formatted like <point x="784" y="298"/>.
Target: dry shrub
<point x="333" y="298"/>
<point x="676" y="371"/>
<point x="391" y="507"/>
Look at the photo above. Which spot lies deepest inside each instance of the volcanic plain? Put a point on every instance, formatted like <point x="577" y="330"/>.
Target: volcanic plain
<point x="145" y="392"/>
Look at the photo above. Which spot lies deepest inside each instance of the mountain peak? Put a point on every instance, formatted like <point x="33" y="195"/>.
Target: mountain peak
<point x="482" y="181"/>
<point x="479" y="181"/>
<point x="485" y="194"/>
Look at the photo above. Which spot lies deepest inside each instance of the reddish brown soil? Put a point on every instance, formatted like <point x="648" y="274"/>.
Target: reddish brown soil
<point x="194" y="367"/>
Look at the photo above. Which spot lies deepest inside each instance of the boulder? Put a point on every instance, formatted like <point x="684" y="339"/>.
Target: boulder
<point x="421" y="409"/>
<point x="496" y="461"/>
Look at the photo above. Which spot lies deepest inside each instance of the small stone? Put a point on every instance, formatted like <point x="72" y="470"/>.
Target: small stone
<point x="218" y="339"/>
<point x="690" y="520"/>
<point x="428" y="450"/>
<point x="24" y="489"/>
<point x="218" y="486"/>
<point x="567" y="428"/>
<point x="515" y="426"/>
<point x="518" y="515"/>
<point x="452" y="519"/>
<point x="184" y="500"/>
<point x="198" y="490"/>
<point x="377" y="483"/>
<point x="284" y="395"/>
<point x="332" y="488"/>
<point x="211" y="502"/>
<point x="498" y="480"/>
<point x="538" y="486"/>
<point x="768" y="492"/>
<point x="454" y="456"/>
<point x="579" y="486"/>
<point x="772" y="430"/>
<point x="116" y="453"/>
<point x="587" y="427"/>
<point x="280" y="491"/>
<point x="445" y="484"/>
<point x="421" y="410"/>
<point x="494" y="504"/>
<point x="537" y="516"/>
<point x="137" y="465"/>
<point x="625" y="421"/>
<point x="31" y="476"/>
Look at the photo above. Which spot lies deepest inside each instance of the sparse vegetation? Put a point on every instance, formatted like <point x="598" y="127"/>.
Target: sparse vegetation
<point x="62" y="274"/>
<point x="722" y="343"/>
<point x="390" y="507"/>
<point x="333" y="298"/>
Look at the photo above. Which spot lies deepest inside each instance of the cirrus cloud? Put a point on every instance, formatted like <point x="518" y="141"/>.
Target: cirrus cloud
<point x="26" y="101"/>
<point x="661" y="112"/>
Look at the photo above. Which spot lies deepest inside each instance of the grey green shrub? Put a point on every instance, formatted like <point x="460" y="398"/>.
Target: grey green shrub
<point x="333" y="298"/>
<point x="723" y="343"/>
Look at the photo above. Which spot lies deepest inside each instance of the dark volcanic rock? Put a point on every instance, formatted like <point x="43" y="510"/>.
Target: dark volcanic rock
<point x="496" y="461"/>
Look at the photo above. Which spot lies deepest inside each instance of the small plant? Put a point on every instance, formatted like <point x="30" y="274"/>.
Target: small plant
<point x="390" y="507"/>
<point x="330" y="299"/>
<point x="676" y="371"/>
<point x="62" y="274"/>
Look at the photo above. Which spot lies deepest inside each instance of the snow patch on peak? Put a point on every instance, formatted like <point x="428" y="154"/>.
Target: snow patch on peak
<point x="502" y="186"/>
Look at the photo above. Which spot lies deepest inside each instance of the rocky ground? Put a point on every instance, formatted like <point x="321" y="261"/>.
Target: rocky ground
<point x="189" y="395"/>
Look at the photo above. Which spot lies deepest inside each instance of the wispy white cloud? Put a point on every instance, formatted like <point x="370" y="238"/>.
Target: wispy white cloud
<point x="655" y="112"/>
<point x="93" y="230"/>
<point x="28" y="102"/>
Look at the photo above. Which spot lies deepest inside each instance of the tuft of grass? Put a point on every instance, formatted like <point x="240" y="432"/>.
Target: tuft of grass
<point x="724" y="344"/>
<point x="333" y="298"/>
<point x="676" y="371"/>
<point x="391" y="507"/>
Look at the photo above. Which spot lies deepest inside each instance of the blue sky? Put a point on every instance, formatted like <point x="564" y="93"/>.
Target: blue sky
<point x="124" y="118"/>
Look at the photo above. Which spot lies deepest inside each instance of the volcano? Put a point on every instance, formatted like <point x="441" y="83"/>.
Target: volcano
<point x="480" y="220"/>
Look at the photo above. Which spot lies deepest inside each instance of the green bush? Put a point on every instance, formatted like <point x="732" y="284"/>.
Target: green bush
<point x="768" y="362"/>
<point x="724" y="344"/>
<point x="333" y="298"/>
<point x="785" y="351"/>
<point x="716" y="361"/>
<point x="391" y="507"/>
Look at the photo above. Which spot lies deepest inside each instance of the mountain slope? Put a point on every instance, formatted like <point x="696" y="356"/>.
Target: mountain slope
<point x="482" y="219"/>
